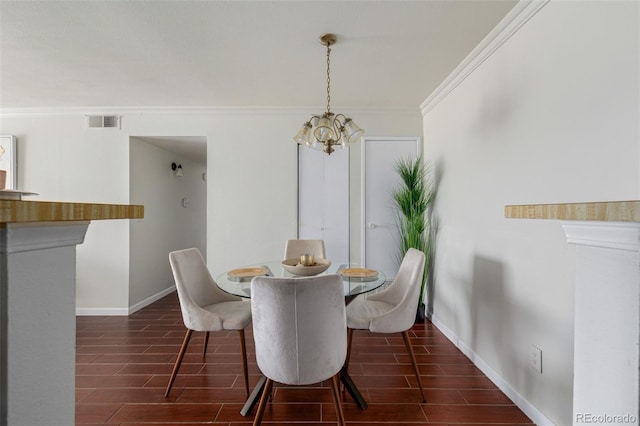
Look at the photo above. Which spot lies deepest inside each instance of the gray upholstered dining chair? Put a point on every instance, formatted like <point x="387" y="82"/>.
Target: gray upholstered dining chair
<point x="300" y="332"/>
<point x="295" y="248"/>
<point x="392" y="310"/>
<point x="205" y="307"/>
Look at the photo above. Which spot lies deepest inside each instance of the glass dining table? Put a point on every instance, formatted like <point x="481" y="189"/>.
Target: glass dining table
<point x="356" y="281"/>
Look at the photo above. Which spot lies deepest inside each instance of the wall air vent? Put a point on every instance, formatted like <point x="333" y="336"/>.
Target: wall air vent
<point x="103" y="121"/>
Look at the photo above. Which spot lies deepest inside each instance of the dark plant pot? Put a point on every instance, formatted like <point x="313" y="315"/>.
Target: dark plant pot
<point x="420" y="315"/>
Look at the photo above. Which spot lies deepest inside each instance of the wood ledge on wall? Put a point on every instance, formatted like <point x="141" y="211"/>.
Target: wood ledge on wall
<point x="609" y="211"/>
<point x="17" y="211"/>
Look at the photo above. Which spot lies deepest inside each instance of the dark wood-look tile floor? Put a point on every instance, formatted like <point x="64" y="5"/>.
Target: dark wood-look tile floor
<point x="123" y="365"/>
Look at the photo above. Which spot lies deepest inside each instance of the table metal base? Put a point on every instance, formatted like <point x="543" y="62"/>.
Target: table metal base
<point x="254" y="397"/>
<point x="346" y="380"/>
<point x="351" y="387"/>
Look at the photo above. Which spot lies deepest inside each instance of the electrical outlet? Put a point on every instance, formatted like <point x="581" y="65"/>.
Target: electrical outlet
<point x="535" y="358"/>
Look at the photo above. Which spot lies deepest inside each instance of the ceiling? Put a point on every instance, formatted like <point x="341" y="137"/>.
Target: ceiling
<point x="59" y="55"/>
<point x="193" y="148"/>
<point x="67" y="54"/>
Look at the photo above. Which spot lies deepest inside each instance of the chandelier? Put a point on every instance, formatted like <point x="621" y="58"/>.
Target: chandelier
<point x="329" y="129"/>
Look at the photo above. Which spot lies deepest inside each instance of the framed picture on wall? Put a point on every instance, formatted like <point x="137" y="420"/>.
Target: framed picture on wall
<point x="8" y="161"/>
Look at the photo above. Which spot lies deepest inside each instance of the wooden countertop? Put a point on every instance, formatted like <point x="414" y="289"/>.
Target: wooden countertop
<point x="17" y="211"/>
<point x="611" y="211"/>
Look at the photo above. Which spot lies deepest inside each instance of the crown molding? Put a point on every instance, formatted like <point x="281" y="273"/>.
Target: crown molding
<point x="510" y="24"/>
<point x="204" y="110"/>
<point x="18" y="237"/>
<point x="611" y="235"/>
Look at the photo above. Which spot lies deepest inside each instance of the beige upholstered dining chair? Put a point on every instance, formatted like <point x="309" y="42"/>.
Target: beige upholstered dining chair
<point x="205" y="307"/>
<point x="300" y="332"/>
<point x="295" y="248"/>
<point x="392" y="310"/>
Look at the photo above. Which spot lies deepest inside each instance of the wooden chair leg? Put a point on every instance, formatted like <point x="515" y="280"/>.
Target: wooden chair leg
<point x="349" y="340"/>
<point x="176" y="367"/>
<point x="266" y="392"/>
<point x="407" y="343"/>
<point x="206" y="342"/>
<point x="245" y="370"/>
<point x="336" y="399"/>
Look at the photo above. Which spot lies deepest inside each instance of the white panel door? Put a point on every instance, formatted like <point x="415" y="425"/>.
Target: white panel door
<point x="380" y="245"/>
<point x="323" y="199"/>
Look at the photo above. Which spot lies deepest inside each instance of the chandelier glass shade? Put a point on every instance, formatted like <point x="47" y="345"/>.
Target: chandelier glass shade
<point x="325" y="131"/>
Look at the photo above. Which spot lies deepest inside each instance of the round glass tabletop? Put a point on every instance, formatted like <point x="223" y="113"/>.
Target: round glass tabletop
<point x="357" y="280"/>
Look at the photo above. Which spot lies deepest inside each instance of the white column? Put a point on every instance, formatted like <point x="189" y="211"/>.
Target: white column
<point x="607" y="322"/>
<point x="37" y="322"/>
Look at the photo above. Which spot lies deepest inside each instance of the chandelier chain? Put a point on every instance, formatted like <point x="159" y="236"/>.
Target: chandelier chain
<point x="328" y="78"/>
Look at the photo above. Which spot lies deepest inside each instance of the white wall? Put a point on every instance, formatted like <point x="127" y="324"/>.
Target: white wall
<point x="552" y="115"/>
<point x="167" y="224"/>
<point x="63" y="160"/>
<point x="253" y="209"/>
<point x="251" y="180"/>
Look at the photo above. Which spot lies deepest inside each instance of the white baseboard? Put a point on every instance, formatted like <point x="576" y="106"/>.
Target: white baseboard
<point x="95" y="312"/>
<point x="124" y="311"/>
<point x="527" y="408"/>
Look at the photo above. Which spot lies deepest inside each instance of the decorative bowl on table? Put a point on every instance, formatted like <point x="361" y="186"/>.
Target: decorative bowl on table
<point x="294" y="266"/>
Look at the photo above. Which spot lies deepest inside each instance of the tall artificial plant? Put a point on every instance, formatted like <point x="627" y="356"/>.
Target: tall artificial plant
<point x="412" y="199"/>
